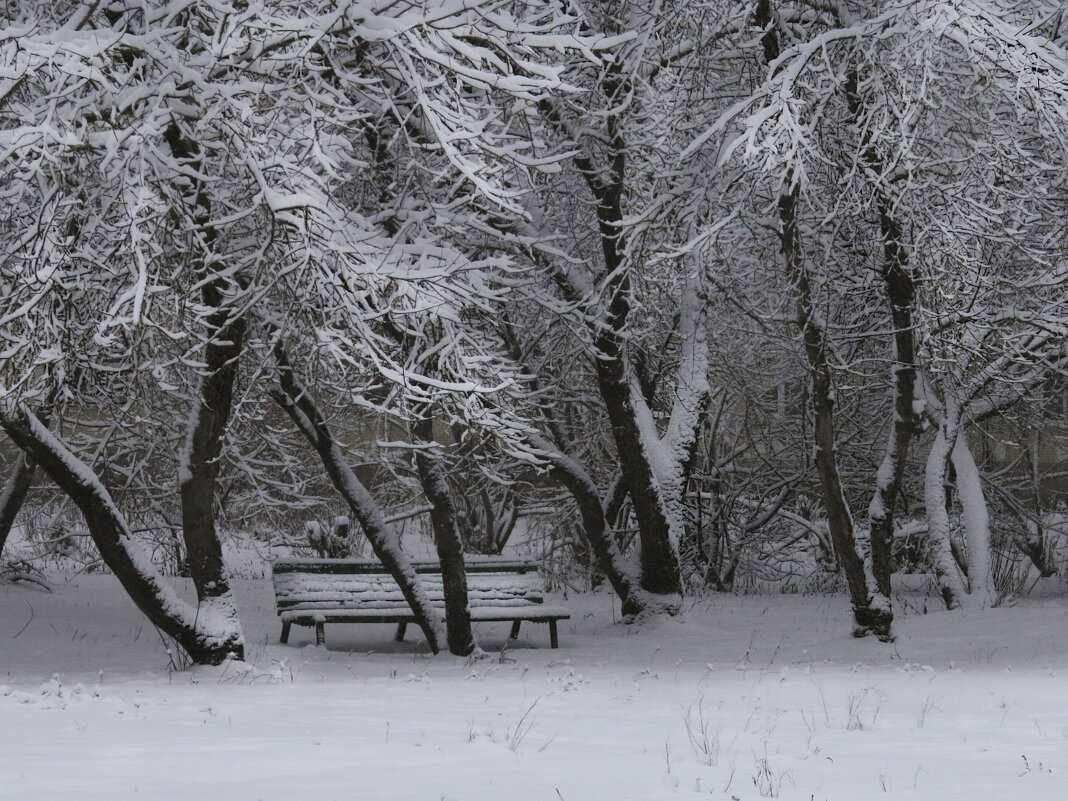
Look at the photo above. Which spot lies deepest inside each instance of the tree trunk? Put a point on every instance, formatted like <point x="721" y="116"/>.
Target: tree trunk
<point x="207" y="638"/>
<point x="635" y="600"/>
<point x="945" y="567"/>
<point x="658" y="531"/>
<point x="976" y="522"/>
<point x="14" y="493"/>
<point x="900" y="286"/>
<point x="871" y="608"/>
<point x="294" y="398"/>
<point x="660" y="573"/>
<point x="598" y="515"/>
<point x="899" y="281"/>
<point x="199" y="466"/>
<point x="659" y="563"/>
<point x="447" y="539"/>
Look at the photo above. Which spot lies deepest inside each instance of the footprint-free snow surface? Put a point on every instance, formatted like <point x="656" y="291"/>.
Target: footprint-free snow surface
<point x="740" y="697"/>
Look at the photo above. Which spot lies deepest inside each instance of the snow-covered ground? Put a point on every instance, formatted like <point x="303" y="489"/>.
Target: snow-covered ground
<point x="739" y="698"/>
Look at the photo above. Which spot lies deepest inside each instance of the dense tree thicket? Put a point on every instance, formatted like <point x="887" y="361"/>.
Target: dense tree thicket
<point x="684" y="284"/>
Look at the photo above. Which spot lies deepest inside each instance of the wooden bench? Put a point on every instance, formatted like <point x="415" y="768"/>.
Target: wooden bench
<point x="314" y="592"/>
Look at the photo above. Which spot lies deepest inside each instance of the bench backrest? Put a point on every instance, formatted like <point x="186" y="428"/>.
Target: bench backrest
<point x="314" y="584"/>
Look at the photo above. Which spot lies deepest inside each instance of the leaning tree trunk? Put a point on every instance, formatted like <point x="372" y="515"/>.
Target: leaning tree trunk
<point x="207" y="639"/>
<point x="598" y="531"/>
<point x="597" y="514"/>
<point x="296" y="400"/>
<point x="447" y="539"/>
<point x="22" y="473"/>
<point x="14" y="493"/>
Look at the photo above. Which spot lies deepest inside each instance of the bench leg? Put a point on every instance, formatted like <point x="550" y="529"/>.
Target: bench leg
<point x="553" y="641"/>
<point x="320" y="634"/>
<point x="515" y="630"/>
<point x="285" y="632"/>
<point x="401" y="628"/>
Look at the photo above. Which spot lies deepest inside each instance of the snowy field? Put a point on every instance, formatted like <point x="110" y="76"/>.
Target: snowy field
<point x="739" y="698"/>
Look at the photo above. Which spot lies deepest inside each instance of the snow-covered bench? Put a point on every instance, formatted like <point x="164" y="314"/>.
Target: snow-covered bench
<point x="314" y="592"/>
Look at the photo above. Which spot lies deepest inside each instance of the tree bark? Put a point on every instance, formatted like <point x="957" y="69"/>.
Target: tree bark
<point x="296" y="400"/>
<point x="447" y="539"/>
<point x="207" y="638"/>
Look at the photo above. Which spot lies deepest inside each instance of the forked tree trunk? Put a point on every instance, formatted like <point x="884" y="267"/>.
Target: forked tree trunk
<point x="899" y="281"/>
<point x="658" y="528"/>
<point x="871" y="608"/>
<point x="296" y="400"/>
<point x="945" y="566"/>
<point x="900" y="286"/>
<point x="660" y="574"/>
<point x="207" y="638"/>
<point x="976" y="522"/>
<point x="597" y="514"/>
<point x="200" y="458"/>
<point x="14" y="494"/>
<point x="447" y="539"/>
<point x="950" y="451"/>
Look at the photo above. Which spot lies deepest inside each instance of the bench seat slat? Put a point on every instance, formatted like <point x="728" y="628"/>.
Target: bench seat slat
<point x="333" y="567"/>
<point x="394" y="593"/>
<point x="430" y="579"/>
<point x="400" y="603"/>
<point x="365" y="591"/>
<point x="485" y="615"/>
<point x="294" y="584"/>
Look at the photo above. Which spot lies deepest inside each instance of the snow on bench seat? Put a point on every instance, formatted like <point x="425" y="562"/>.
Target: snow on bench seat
<point x="313" y="592"/>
